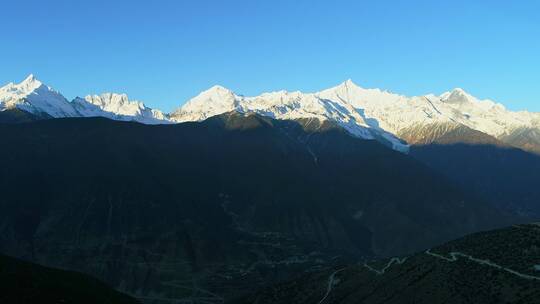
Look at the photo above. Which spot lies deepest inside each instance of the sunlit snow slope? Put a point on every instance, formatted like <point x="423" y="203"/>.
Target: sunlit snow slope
<point x="365" y="113"/>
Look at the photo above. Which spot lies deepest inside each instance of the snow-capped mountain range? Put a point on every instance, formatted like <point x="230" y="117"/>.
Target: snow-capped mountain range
<point x="364" y="113"/>
<point x="119" y="107"/>
<point x="32" y="96"/>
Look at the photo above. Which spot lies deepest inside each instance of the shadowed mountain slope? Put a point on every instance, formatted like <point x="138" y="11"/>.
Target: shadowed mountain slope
<point x="446" y="134"/>
<point x="18" y="116"/>
<point x="499" y="266"/>
<point x="217" y="208"/>
<point x="24" y="282"/>
<point x="506" y="177"/>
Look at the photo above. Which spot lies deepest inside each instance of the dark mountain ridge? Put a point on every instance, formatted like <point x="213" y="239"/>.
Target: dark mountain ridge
<point x="496" y="171"/>
<point x="498" y="266"/>
<point x="27" y="283"/>
<point x="507" y="177"/>
<point x="217" y="208"/>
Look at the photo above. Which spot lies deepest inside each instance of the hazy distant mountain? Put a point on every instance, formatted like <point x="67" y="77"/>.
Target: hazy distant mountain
<point x="389" y="118"/>
<point x="217" y="208"/>
<point x="490" y="267"/>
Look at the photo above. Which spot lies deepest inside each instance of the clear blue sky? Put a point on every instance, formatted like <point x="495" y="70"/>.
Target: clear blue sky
<point x="164" y="52"/>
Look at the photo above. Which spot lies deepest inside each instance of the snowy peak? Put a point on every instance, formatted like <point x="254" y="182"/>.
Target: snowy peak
<point x="457" y="96"/>
<point x="19" y="91"/>
<point x="119" y="107"/>
<point x="217" y="90"/>
<point x="30" y="83"/>
<point x="344" y="91"/>
<point x="33" y="96"/>
<point x="348" y="84"/>
<point x="214" y="101"/>
<point x="216" y="93"/>
<point x="118" y="103"/>
<point x="364" y="113"/>
<point x="333" y="105"/>
<point x="359" y="96"/>
<point x="345" y="87"/>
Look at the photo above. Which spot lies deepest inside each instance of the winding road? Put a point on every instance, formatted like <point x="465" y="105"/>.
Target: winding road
<point x="390" y="263"/>
<point x="331" y="283"/>
<point x="455" y="255"/>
